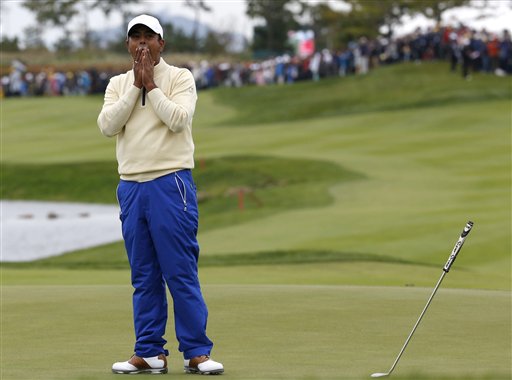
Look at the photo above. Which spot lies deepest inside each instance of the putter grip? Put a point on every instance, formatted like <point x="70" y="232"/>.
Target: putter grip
<point x="458" y="246"/>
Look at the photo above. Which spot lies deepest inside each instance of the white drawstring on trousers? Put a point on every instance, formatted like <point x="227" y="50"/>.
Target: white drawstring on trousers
<point x="184" y="194"/>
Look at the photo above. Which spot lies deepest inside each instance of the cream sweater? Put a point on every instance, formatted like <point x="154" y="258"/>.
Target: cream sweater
<point x="154" y="139"/>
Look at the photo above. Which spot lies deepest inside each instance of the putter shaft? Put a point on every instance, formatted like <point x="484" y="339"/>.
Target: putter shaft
<point x="416" y="324"/>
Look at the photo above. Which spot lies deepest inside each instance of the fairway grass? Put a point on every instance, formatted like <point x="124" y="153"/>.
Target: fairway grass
<point x="428" y="172"/>
<point x="422" y="175"/>
<point x="265" y="332"/>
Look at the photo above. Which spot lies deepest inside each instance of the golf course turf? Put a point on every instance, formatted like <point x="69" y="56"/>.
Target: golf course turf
<point x="356" y="190"/>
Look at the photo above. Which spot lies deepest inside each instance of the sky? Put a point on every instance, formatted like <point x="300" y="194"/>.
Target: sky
<point x="225" y="14"/>
<point x="230" y="15"/>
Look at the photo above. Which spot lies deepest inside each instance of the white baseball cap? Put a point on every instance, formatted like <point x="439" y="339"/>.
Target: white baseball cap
<point x="150" y="21"/>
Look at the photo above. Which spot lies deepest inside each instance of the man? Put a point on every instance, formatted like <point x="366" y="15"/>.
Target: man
<point x="149" y="109"/>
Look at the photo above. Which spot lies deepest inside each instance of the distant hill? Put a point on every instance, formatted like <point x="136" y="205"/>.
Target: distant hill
<point x="185" y="24"/>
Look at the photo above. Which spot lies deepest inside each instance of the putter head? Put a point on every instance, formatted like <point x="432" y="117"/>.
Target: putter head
<point x="380" y="374"/>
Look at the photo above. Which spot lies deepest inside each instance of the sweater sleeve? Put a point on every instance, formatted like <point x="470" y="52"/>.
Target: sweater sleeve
<point x="177" y="110"/>
<point x="116" y="110"/>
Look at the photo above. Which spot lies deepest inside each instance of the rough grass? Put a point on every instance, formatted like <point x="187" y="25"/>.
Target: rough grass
<point x="268" y="185"/>
<point x="109" y="257"/>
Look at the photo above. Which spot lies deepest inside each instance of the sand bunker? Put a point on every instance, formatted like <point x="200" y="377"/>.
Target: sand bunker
<point x="33" y="230"/>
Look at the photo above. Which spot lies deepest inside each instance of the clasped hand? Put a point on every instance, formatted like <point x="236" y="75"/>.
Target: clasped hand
<point x="143" y="68"/>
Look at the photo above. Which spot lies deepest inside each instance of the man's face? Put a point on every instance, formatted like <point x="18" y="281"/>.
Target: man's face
<point x="143" y="37"/>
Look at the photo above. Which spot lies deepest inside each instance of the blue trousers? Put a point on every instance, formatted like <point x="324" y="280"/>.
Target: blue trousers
<point x="159" y="224"/>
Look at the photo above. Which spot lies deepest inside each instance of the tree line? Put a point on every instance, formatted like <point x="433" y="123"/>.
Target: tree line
<point x="334" y="23"/>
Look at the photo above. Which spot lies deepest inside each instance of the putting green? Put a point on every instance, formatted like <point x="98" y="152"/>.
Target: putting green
<point x="265" y="331"/>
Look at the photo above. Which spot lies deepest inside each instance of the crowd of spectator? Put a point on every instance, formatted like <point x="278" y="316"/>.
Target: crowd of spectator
<point x="48" y="81"/>
<point x="466" y="50"/>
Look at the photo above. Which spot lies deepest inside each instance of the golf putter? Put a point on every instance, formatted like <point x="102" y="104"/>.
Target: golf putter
<point x="446" y="269"/>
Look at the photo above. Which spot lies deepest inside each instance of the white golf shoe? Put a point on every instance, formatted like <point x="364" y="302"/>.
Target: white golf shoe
<point x="136" y="364"/>
<point x="203" y="365"/>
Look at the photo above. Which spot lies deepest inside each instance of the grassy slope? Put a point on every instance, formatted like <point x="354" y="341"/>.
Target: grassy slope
<point x="429" y="169"/>
<point x="390" y="88"/>
<point x="426" y="170"/>
<point x="433" y="152"/>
